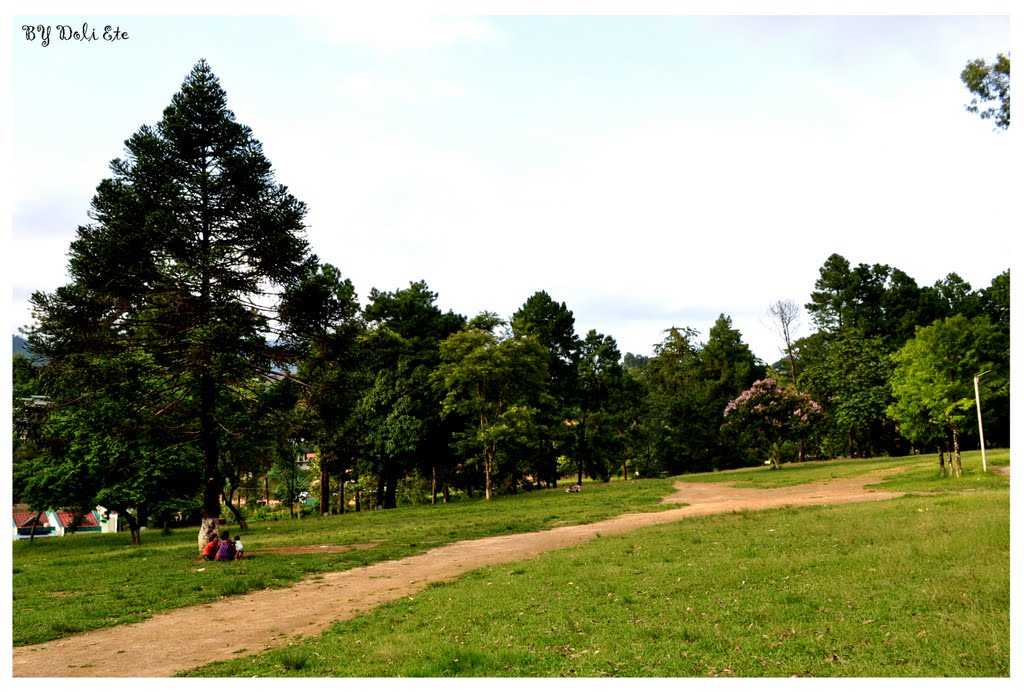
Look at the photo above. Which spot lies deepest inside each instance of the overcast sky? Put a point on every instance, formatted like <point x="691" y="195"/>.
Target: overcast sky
<point x="649" y="172"/>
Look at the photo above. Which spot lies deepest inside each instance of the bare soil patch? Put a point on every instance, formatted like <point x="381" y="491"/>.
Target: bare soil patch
<point x="310" y="549"/>
<point x="196" y="635"/>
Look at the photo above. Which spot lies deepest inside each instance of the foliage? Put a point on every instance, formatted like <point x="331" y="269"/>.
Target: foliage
<point x="932" y="384"/>
<point x="110" y="448"/>
<point x="874" y="300"/>
<point x="770" y="415"/>
<point x="602" y="422"/>
<point x="400" y="414"/>
<point x="851" y="380"/>
<point x="326" y="326"/>
<point x="497" y="384"/>
<point x="688" y="384"/>
<point x="553" y="325"/>
<point x="190" y="236"/>
<point x="990" y="85"/>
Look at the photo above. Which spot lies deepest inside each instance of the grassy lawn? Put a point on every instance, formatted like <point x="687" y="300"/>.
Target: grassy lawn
<point x="811" y="471"/>
<point x="926" y="478"/>
<point x="77" y="583"/>
<point x="916" y="586"/>
<point x="69" y="585"/>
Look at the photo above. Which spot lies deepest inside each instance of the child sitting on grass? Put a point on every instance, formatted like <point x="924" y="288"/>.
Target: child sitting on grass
<point x="239" y="548"/>
<point x="210" y="551"/>
<point x="226" y="549"/>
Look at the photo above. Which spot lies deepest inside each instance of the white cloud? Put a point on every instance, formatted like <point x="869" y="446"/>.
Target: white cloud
<point x="376" y="90"/>
<point x="680" y="220"/>
<point x="401" y="32"/>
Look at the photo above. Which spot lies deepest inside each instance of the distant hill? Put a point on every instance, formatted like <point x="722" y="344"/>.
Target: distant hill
<point x="20" y="346"/>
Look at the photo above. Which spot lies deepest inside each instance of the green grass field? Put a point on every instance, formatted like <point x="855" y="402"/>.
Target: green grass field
<point x="912" y="586"/>
<point x="916" y="586"/>
<point x="77" y="583"/>
<point x="925" y="465"/>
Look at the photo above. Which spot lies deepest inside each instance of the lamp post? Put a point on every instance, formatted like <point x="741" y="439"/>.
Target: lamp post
<point x="981" y="432"/>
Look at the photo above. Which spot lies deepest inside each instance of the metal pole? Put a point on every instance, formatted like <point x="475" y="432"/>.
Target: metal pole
<point x="981" y="431"/>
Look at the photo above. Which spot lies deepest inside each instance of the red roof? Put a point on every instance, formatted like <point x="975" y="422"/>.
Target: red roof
<point x="24" y="520"/>
<point x="68" y="518"/>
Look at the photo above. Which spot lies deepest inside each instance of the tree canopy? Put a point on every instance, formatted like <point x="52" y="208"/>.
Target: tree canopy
<point x="990" y="85"/>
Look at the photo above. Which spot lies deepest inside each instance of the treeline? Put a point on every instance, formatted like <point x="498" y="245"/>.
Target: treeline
<point x="892" y="363"/>
<point x="400" y="392"/>
<point x="202" y="353"/>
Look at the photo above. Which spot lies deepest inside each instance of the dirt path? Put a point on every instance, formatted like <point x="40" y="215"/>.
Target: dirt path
<point x="195" y="635"/>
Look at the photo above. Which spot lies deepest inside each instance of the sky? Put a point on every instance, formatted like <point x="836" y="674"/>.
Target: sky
<point x="649" y="171"/>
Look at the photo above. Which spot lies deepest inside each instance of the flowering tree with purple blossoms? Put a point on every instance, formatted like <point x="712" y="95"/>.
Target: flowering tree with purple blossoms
<point x="770" y="415"/>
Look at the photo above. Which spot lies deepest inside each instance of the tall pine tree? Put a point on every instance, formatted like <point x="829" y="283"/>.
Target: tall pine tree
<point x="191" y="240"/>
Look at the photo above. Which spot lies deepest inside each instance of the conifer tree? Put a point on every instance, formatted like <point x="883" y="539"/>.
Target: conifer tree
<point x="190" y="241"/>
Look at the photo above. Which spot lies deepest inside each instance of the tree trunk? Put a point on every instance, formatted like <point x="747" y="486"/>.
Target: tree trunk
<point x="235" y="511"/>
<point x="266" y="489"/>
<point x="958" y="468"/>
<point x="433" y="484"/>
<point x="35" y="523"/>
<point x="133" y="526"/>
<point x="359" y="499"/>
<point x="379" y="500"/>
<point x="581" y="447"/>
<point x="212" y="485"/>
<point x="391" y="492"/>
<point x="942" y="461"/>
<point x="444" y="493"/>
<point x="341" y="491"/>
<point x="488" y="461"/>
<point x="207" y="531"/>
<point x="325" y="486"/>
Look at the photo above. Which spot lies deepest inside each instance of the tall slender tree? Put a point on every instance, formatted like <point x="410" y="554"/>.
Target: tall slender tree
<point x="325" y="323"/>
<point x="554" y="326"/>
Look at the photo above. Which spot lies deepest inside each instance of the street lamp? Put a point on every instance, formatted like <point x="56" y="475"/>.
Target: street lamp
<point x="981" y="432"/>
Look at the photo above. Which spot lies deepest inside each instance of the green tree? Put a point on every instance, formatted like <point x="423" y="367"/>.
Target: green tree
<point x="326" y="324"/>
<point x="111" y="448"/>
<point x="990" y="85"/>
<point x="256" y="424"/>
<point x="770" y="416"/>
<point x="496" y="384"/>
<point x="598" y="432"/>
<point x="851" y="381"/>
<point x="873" y="300"/>
<point x="678" y="437"/>
<point x="728" y="367"/>
<point x="400" y="413"/>
<point x="191" y="237"/>
<point x="932" y="384"/>
<point x="994" y="301"/>
<point x="554" y="326"/>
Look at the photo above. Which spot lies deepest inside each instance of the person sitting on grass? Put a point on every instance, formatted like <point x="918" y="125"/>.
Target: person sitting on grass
<point x="210" y="551"/>
<point x="226" y="549"/>
<point x="239" y="548"/>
